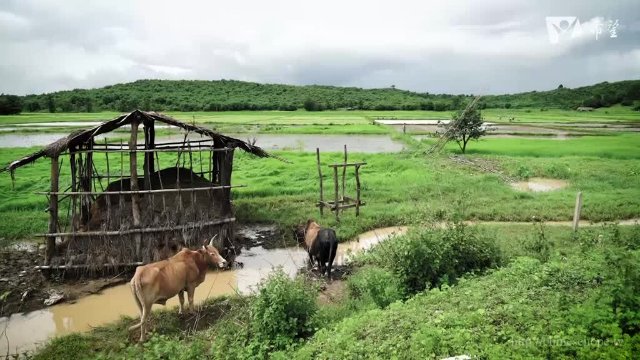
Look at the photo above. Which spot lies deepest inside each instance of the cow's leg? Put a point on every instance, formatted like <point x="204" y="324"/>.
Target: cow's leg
<point x="135" y="296"/>
<point x="146" y="310"/>
<point x="310" y="261"/>
<point x="190" y="291"/>
<point x="181" y="301"/>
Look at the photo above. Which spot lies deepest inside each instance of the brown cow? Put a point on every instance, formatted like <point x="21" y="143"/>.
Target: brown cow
<point x="157" y="282"/>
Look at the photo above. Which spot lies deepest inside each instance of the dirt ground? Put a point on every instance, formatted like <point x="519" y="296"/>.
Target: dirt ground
<point x="24" y="289"/>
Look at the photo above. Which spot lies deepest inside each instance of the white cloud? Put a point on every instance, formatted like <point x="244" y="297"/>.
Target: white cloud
<point x="455" y="46"/>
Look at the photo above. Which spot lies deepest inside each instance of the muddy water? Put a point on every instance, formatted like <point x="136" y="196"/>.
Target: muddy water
<point x="26" y="331"/>
<point x="539" y="185"/>
<point x="355" y="143"/>
<point x="309" y="142"/>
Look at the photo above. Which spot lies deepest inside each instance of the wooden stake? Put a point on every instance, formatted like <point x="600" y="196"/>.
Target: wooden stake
<point x="320" y="176"/>
<point x="576" y="211"/>
<point x="53" y="211"/>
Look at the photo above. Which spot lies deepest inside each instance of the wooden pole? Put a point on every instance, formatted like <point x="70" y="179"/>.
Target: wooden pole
<point x="576" y="211"/>
<point x="344" y="170"/>
<point x="53" y="211"/>
<point x="149" y="144"/>
<point x="320" y="176"/>
<point x="108" y="198"/>
<point x="357" y="190"/>
<point x="335" y="187"/>
<point x="135" y="198"/>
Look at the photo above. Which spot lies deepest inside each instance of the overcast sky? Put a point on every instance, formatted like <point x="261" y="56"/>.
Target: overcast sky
<point x="479" y="47"/>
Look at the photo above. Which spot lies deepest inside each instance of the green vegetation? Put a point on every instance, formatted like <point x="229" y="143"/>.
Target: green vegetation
<point x="580" y="303"/>
<point x="568" y="307"/>
<point x="429" y="258"/>
<point x="230" y="95"/>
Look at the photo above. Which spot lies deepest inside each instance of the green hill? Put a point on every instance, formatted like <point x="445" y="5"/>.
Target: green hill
<point x="231" y="95"/>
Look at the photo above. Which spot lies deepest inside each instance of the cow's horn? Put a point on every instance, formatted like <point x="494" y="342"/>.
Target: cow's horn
<point x="213" y="238"/>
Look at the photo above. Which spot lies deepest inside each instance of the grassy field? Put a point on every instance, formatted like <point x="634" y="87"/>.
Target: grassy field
<point x="399" y="188"/>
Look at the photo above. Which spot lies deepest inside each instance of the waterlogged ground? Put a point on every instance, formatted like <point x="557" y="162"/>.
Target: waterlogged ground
<point x="258" y="255"/>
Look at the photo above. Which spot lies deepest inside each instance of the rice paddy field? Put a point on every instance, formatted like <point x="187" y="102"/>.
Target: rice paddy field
<point x="540" y="291"/>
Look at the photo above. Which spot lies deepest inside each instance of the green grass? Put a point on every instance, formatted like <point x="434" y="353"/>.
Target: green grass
<point x="621" y="146"/>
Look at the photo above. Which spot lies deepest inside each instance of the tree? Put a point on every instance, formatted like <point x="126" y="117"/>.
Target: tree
<point x="51" y="104"/>
<point x="465" y="125"/>
<point x="10" y="104"/>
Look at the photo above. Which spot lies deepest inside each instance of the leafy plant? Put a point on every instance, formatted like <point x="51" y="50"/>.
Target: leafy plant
<point x="379" y="286"/>
<point x="282" y="311"/>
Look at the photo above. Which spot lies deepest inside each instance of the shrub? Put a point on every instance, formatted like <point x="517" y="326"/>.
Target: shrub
<point x="376" y="285"/>
<point x="538" y="246"/>
<point x="430" y="257"/>
<point x="282" y="311"/>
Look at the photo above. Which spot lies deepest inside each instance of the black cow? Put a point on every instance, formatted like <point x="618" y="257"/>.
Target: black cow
<point x="320" y="243"/>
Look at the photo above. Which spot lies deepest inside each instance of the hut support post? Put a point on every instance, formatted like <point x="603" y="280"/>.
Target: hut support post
<point x="320" y="176"/>
<point x="135" y="198"/>
<point x="53" y="210"/>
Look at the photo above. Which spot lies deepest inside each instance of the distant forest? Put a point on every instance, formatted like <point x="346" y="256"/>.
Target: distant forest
<point x="231" y="95"/>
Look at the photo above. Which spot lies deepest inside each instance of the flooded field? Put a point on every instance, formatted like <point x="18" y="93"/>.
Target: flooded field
<point x="26" y="331"/>
<point x="305" y="142"/>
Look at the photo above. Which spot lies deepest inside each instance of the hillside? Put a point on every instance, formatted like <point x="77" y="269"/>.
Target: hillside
<point x="225" y="95"/>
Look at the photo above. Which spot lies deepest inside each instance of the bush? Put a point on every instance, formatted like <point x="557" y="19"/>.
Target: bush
<point x="282" y="311"/>
<point x="375" y="285"/>
<point x="165" y="347"/>
<point x="431" y="257"/>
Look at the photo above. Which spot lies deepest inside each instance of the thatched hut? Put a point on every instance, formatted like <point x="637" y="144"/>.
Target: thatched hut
<point x="132" y="203"/>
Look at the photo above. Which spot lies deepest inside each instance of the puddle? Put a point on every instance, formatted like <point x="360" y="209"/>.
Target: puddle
<point x="269" y="142"/>
<point x="25" y="331"/>
<point x="309" y="142"/>
<point x="539" y="185"/>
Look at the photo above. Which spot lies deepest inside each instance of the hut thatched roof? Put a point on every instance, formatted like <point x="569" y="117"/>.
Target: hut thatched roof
<point x="79" y="137"/>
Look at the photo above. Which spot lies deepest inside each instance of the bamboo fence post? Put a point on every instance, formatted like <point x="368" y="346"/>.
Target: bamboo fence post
<point x="344" y="170"/>
<point x="320" y="176"/>
<point x="135" y="198"/>
<point x="108" y="197"/>
<point x="357" y="190"/>
<point x="576" y="211"/>
<point x="164" y="201"/>
<point x="336" y="190"/>
<point x="53" y="211"/>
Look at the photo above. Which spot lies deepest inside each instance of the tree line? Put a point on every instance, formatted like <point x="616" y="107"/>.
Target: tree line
<point x="231" y="95"/>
